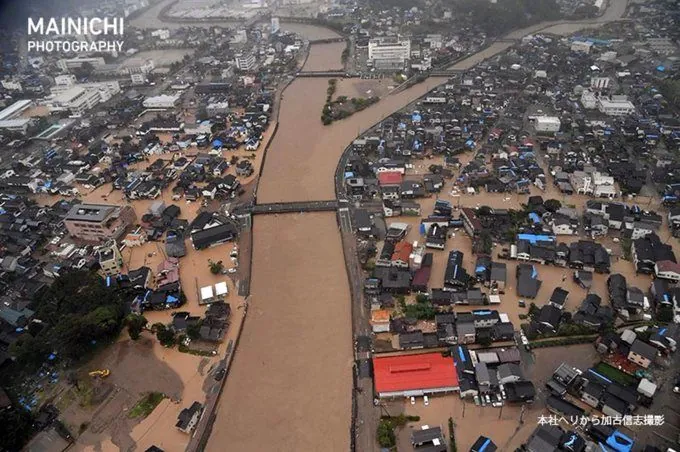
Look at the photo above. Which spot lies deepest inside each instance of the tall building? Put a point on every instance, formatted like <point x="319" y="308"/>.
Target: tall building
<point x="389" y="53"/>
<point x="245" y="61"/>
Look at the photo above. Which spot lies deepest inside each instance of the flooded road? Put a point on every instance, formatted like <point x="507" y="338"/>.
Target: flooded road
<point x="291" y="381"/>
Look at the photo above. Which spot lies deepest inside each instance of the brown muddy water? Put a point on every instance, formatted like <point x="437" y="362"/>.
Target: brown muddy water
<point x="290" y="384"/>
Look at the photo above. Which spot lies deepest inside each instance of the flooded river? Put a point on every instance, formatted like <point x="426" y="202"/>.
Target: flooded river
<point x="289" y="388"/>
<point x="290" y="384"/>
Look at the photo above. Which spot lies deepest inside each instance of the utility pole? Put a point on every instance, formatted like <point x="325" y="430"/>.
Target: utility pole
<point x="501" y="412"/>
<point x="464" y="408"/>
<point x="521" y="415"/>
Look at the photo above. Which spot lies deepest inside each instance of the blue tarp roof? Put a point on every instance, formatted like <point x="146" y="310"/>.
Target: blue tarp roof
<point x="535" y="238"/>
<point x="620" y="442"/>
<point x="461" y="354"/>
<point x="533" y="216"/>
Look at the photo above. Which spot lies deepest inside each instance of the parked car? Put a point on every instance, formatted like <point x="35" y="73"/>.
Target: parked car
<point x="413" y="400"/>
<point x="426" y="400"/>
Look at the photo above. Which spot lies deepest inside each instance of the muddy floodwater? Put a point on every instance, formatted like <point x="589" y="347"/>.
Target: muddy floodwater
<point x="291" y="381"/>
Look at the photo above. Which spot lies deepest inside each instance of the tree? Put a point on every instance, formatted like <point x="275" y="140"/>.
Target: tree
<point x="16" y="428"/>
<point x="385" y="434"/>
<point x="216" y="267"/>
<point x="486" y="243"/>
<point x="165" y="335"/>
<point x="665" y="314"/>
<point x="484" y="211"/>
<point x="135" y="325"/>
<point x="552" y="205"/>
<point x="533" y="310"/>
<point x="194" y="330"/>
<point x="484" y="341"/>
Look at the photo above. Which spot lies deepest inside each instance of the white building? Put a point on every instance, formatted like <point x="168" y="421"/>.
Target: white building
<point x="600" y="82"/>
<point x="588" y="100"/>
<point x="389" y="52"/>
<point x="217" y="108"/>
<point x="616" y="106"/>
<point x="581" y="46"/>
<point x="12" y="85"/>
<point x="245" y="61"/>
<point x="70" y="63"/>
<point x="162" y="34"/>
<point x="76" y="99"/>
<point x="16" y="125"/>
<point x="15" y="109"/>
<point x="276" y="26"/>
<point x="138" y="78"/>
<point x="549" y="124"/>
<point x="162" y="101"/>
<point x="65" y="80"/>
<point x="240" y="37"/>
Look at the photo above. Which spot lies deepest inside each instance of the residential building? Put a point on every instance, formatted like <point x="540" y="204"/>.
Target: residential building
<point x="98" y="222"/>
<point x="642" y="353"/>
<point x="245" y="61"/>
<point x="188" y="417"/>
<point x="428" y="438"/>
<point x="110" y="259"/>
<point x="581" y="46"/>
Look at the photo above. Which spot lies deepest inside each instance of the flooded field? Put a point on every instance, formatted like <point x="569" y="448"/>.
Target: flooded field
<point x="291" y="378"/>
<point x="310" y="32"/>
<point x="325" y="57"/>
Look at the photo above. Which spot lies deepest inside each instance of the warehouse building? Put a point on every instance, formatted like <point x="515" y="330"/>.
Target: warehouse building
<point x="414" y="375"/>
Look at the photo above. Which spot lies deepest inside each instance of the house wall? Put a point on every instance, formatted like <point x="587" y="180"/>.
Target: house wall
<point x="590" y="400"/>
<point x="639" y="360"/>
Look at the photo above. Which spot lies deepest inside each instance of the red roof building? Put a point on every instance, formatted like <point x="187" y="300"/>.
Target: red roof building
<point x="414" y="375"/>
<point x="389" y="178"/>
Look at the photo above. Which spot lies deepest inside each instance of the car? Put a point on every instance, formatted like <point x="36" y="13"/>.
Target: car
<point x="676" y="389"/>
<point x="219" y="375"/>
<point x="413" y="400"/>
<point x="499" y="398"/>
<point x="488" y="399"/>
<point x="522" y="304"/>
<point x="426" y="400"/>
<point x="497" y="404"/>
<point x="232" y="270"/>
<point x="476" y="400"/>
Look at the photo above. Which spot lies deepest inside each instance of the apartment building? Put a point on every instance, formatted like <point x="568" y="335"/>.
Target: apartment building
<point x="616" y="106"/>
<point x="98" y="222"/>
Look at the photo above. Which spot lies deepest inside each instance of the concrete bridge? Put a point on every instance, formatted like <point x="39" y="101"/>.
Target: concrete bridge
<point x="326" y="41"/>
<point x="292" y="207"/>
<point x="339" y="74"/>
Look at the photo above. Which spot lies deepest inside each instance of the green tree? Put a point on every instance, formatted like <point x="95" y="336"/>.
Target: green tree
<point x="165" y="335"/>
<point x="484" y="211"/>
<point x="194" y="331"/>
<point x="385" y="434"/>
<point x="135" y="325"/>
<point x="552" y="205"/>
<point x="216" y="267"/>
<point x="16" y="428"/>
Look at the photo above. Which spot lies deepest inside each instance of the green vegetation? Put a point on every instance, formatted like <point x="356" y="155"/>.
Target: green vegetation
<point x="664" y="314"/>
<point x="552" y="205"/>
<point x="135" y="325"/>
<point x="146" y="405"/>
<point x="16" y="428"/>
<point x="422" y="309"/>
<point x="341" y="108"/>
<point x="452" y="436"/>
<point x="670" y="89"/>
<point x="385" y="434"/>
<point x="216" y="267"/>
<point x="626" y="246"/>
<point x="78" y="312"/>
<point x="165" y="335"/>
<point x="615" y="374"/>
<point x="496" y="19"/>
<point x="562" y="341"/>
